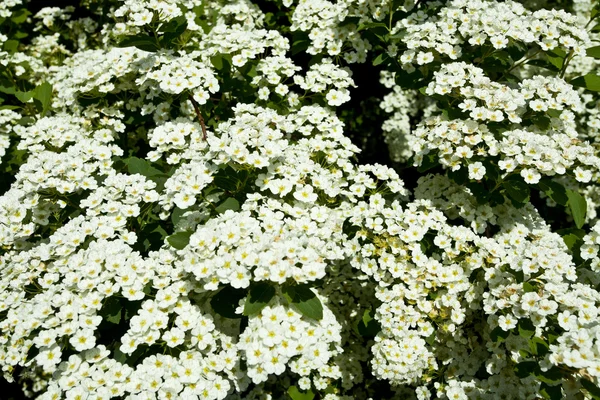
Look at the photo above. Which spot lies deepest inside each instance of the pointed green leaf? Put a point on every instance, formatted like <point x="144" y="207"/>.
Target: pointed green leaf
<point x="142" y="42"/>
<point x="24" y="97"/>
<point x="42" y="96"/>
<point x="517" y="190"/>
<point x="525" y="368"/>
<point x="578" y="207"/>
<point x="259" y="296"/>
<point x="229" y="204"/>
<point x="296" y="394"/>
<point x="554" y="190"/>
<point x="591" y="387"/>
<point x="140" y="166"/>
<point x="593" y="52"/>
<point x="304" y="300"/>
<point x="179" y="240"/>
<point x="590" y="81"/>
<point x="227" y="300"/>
<point x="526" y="328"/>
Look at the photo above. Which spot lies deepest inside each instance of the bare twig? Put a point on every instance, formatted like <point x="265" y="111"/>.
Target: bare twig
<point x="199" y="115"/>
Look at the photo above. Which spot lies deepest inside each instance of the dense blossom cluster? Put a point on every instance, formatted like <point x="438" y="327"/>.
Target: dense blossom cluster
<point x="185" y="216"/>
<point x="462" y="23"/>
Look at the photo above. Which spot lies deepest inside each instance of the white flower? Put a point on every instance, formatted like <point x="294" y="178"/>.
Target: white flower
<point x="476" y="171"/>
<point x="531" y="176"/>
<point x="507" y="322"/>
<point x="305" y="194"/>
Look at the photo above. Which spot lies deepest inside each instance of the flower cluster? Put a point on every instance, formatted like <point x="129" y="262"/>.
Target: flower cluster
<point x="280" y="336"/>
<point x="476" y="23"/>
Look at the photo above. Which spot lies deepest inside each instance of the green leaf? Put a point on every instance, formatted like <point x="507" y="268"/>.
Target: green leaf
<point x="20" y="16"/>
<point x="578" y="207"/>
<point x="8" y="90"/>
<point x="368" y="326"/>
<point x="593" y="52"/>
<point x="590" y="81"/>
<point x="11" y="46"/>
<point x="42" y="96"/>
<point x="259" y="296"/>
<point x="517" y="190"/>
<point x="111" y="310"/>
<point x="572" y="237"/>
<point x="179" y="240"/>
<point x="24" y="97"/>
<point x="227" y="300"/>
<point x="142" y="42"/>
<point x="551" y="392"/>
<point x="304" y="300"/>
<point x="528" y="287"/>
<point x="229" y="204"/>
<point x="539" y="347"/>
<point x="552" y="377"/>
<point x="556" y="60"/>
<point x="526" y="328"/>
<point x="140" y="166"/>
<point x="172" y="30"/>
<point x="296" y="394"/>
<point x="429" y="161"/>
<point x="525" y="368"/>
<point x="380" y="59"/>
<point x="176" y="215"/>
<point x="554" y="190"/>
<point x="498" y="335"/>
<point x="591" y="387"/>
<point x="543" y="64"/>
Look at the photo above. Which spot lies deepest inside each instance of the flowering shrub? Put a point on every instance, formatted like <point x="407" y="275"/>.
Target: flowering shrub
<point x="184" y="215"/>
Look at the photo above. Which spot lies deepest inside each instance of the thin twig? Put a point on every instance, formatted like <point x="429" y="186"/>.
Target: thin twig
<point x="200" y="118"/>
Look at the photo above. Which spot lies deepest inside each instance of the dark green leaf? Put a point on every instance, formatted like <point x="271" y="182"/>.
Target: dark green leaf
<point x="179" y="240"/>
<point x="429" y="161"/>
<point x="227" y="300"/>
<point x="43" y="95"/>
<point x="528" y="287"/>
<point x="111" y="310"/>
<point x="591" y="387"/>
<point x="543" y="64"/>
<point x="140" y="166"/>
<point x="8" y="89"/>
<point x="229" y="204"/>
<point x="368" y="326"/>
<point x="578" y="207"/>
<point x="552" y="377"/>
<point x="380" y="59"/>
<point x="525" y="368"/>
<point x="176" y="215"/>
<point x="498" y="334"/>
<point x="572" y="237"/>
<point x="20" y="15"/>
<point x="296" y="394"/>
<point x="259" y="296"/>
<point x="551" y="392"/>
<point x="540" y="348"/>
<point x="11" y="46"/>
<point x="593" y="52"/>
<point x="517" y="190"/>
<point x="590" y="81"/>
<point x="304" y="300"/>
<point x="554" y="190"/>
<point x="142" y="42"/>
<point x="24" y="97"/>
<point x="173" y="29"/>
<point x="526" y="328"/>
